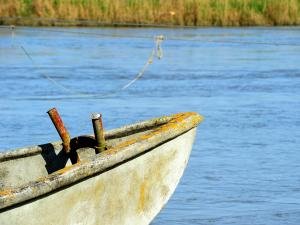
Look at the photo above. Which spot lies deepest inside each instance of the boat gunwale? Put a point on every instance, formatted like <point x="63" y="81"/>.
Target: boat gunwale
<point x="169" y="127"/>
<point x="110" y="134"/>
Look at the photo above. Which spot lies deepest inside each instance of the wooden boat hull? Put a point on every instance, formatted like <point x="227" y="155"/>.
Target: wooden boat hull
<point x="131" y="192"/>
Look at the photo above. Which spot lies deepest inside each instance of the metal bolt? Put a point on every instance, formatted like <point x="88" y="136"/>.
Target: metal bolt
<point x="99" y="132"/>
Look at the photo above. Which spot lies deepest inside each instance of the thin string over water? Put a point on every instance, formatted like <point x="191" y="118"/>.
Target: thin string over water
<point x="156" y="53"/>
<point x="170" y="38"/>
<point x="145" y="66"/>
<point x="45" y="75"/>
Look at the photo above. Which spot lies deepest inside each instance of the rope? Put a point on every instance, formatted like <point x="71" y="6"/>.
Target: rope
<point x="156" y="52"/>
<point x="45" y="75"/>
<point x="171" y="38"/>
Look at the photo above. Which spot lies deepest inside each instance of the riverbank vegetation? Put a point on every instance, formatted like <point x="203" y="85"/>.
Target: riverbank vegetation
<point x="151" y="12"/>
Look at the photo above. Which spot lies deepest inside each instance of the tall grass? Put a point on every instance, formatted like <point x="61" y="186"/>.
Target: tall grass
<point x="172" y="12"/>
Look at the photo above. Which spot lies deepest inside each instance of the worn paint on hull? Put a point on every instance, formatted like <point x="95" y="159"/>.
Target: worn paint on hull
<point x="132" y="191"/>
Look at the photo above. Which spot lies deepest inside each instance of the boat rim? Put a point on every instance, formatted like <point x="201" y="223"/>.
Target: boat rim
<point x="168" y="128"/>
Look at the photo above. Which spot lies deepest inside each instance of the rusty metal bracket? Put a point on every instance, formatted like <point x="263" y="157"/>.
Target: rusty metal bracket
<point x="80" y="142"/>
<point x="70" y="145"/>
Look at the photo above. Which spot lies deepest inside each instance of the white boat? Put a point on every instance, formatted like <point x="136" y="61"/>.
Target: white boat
<point x="129" y="183"/>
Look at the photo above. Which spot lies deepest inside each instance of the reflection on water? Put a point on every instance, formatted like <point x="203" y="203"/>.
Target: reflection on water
<point x="244" y="167"/>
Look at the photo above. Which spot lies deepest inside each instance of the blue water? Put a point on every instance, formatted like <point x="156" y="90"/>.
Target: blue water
<point x="245" y="164"/>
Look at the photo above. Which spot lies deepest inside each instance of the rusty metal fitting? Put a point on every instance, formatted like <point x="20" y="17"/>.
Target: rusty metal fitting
<point x="99" y="132"/>
<point x="61" y="129"/>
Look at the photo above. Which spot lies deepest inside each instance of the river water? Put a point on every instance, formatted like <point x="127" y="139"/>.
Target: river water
<point x="245" y="164"/>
